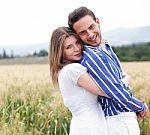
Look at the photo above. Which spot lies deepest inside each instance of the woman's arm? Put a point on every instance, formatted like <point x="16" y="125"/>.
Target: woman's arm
<point x="86" y="81"/>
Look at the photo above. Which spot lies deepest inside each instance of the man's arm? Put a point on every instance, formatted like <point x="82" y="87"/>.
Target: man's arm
<point x="109" y="82"/>
<point x="125" y="77"/>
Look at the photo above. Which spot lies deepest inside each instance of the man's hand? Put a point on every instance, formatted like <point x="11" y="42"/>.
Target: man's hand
<point x="143" y="114"/>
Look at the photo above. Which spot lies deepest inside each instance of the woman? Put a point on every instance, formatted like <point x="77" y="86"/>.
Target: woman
<point x="78" y="90"/>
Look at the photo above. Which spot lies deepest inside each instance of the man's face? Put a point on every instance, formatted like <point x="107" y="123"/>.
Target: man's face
<point x="88" y="30"/>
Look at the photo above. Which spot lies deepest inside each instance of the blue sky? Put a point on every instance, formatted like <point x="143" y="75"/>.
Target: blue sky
<point x="25" y="22"/>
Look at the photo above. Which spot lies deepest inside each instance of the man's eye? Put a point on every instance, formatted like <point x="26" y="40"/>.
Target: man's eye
<point x="82" y="33"/>
<point x="91" y="27"/>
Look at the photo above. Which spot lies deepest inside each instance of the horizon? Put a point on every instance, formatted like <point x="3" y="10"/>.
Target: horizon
<point x="37" y="43"/>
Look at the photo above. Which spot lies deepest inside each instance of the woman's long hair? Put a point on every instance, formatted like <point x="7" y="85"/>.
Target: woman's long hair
<point x="56" y="61"/>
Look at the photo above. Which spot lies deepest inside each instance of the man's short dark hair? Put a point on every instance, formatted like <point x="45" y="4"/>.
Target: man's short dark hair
<point x="79" y="13"/>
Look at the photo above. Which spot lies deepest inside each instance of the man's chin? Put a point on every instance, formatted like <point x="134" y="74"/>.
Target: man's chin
<point x="92" y="44"/>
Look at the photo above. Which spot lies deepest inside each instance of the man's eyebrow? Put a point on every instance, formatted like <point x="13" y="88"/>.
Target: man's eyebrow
<point x="81" y="31"/>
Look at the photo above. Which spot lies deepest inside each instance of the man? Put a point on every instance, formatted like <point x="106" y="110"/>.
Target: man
<point x="104" y="67"/>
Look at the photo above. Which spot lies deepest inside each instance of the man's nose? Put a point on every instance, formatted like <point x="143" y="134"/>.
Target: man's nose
<point x="90" y="34"/>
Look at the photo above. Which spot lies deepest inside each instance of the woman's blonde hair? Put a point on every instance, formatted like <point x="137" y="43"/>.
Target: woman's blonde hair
<point x="56" y="61"/>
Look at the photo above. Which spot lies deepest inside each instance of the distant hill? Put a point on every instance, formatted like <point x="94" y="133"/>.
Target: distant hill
<point x="117" y="37"/>
<point x="124" y="36"/>
<point x="23" y="50"/>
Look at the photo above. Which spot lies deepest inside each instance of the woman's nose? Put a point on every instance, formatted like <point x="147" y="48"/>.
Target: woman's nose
<point x="76" y="48"/>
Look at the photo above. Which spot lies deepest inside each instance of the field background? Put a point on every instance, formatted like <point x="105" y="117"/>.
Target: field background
<point x="30" y="105"/>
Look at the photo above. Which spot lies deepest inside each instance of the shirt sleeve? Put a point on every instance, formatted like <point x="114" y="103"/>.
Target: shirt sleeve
<point x="74" y="71"/>
<point x="111" y="84"/>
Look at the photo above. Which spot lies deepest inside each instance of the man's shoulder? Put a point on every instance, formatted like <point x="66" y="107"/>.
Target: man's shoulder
<point x="91" y="54"/>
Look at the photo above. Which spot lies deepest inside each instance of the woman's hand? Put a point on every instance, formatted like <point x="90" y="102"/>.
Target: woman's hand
<point x="126" y="79"/>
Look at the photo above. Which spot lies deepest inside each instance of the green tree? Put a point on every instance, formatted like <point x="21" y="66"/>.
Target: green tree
<point x="4" y="54"/>
<point x="134" y="52"/>
<point x="12" y="55"/>
<point x="42" y="53"/>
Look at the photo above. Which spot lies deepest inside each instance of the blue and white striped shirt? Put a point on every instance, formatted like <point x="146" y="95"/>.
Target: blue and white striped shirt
<point x="104" y="67"/>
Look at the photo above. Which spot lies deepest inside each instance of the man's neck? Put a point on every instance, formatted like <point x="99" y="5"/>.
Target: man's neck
<point x="102" y="42"/>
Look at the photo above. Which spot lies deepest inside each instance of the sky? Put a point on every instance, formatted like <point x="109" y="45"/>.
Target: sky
<point x="26" y="22"/>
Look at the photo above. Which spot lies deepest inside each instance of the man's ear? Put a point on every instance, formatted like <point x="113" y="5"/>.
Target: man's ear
<point x="97" y="21"/>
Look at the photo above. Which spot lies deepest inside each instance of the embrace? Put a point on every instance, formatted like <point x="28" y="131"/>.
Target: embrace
<point x="92" y="82"/>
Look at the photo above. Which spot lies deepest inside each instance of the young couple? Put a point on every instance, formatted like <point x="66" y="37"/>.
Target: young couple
<point x="91" y="80"/>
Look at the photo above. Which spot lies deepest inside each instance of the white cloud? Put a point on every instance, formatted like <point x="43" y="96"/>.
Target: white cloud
<point x="32" y="21"/>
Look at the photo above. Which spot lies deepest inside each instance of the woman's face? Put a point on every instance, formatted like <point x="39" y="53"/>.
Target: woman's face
<point x="72" y="49"/>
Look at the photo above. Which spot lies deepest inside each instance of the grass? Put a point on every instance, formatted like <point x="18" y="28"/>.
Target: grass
<point x="30" y="105"/>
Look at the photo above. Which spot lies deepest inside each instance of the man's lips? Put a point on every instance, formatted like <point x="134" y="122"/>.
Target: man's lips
<point x="92" y="39"/>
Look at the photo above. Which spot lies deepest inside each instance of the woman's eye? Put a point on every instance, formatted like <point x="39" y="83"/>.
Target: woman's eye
<point x="68" y="47"/>
<point x="78" y="42"/>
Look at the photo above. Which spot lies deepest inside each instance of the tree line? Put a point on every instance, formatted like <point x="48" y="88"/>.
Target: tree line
<point x="5" y="55"/>
<point x="134" y="52"/>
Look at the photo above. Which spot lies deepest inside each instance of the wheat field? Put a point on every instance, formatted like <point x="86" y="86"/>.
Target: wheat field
<point x="30" y="105"/>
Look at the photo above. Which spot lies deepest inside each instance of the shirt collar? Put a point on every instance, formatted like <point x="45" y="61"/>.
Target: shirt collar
<point x="99" y="47"/>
